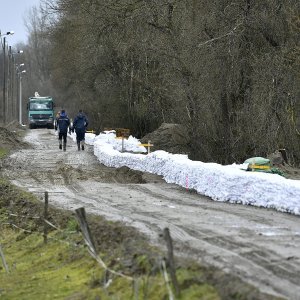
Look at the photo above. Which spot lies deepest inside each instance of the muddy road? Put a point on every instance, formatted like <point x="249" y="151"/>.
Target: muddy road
<point x="261" y="246"/>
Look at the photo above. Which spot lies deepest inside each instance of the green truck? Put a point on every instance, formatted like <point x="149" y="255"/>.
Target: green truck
<point x="40" y="112"/>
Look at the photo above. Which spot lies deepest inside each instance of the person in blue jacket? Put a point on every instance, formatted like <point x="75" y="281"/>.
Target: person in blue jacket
<point x="62" y="125"/>
<point x="80" y="124"/>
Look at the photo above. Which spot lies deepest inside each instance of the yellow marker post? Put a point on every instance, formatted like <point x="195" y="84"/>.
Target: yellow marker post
<point x="147" y="145"/>
<point x="123" y="142"/>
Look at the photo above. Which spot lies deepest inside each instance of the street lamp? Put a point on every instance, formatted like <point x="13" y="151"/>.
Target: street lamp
<point x="12" y="99"/>
<point x="20" y="96"/>
<point x="7" y="33"/>
<point x="4" y="72"/>
<point x="19" y="73"/>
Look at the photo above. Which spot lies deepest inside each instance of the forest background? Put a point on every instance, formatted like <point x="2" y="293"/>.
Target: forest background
<point x="228" y="71"/>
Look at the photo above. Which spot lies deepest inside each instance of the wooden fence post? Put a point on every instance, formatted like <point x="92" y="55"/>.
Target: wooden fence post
<point x="166" y="277"/>
<point x="167" y="237"/>
<point x="10" y="221"/>
<point x="45" y="218"/>
<point x="81" y="217"/>
<point x="3" y="260"/>
<point x="123" y="146"/>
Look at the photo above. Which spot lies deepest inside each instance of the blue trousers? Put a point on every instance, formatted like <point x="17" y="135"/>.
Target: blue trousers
<point x="80" y="135"/>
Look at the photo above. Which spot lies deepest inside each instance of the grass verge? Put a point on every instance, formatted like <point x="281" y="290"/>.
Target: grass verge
<point x="3" y="153"/>
<point x="63" y="269"/>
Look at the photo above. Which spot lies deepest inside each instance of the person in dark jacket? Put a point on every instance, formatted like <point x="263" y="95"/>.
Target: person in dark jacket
<point x="63" y="123"/>
<point x="56" y="119"/>
<point x="79" y="125"/>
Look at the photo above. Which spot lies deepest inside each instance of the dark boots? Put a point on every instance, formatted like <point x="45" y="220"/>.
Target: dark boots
<point x="80" y="145"/>
<point x="62" y="145"/>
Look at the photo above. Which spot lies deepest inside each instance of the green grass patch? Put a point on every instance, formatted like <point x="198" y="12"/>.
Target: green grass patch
<point x="54" y="270"/>
<point x="60" y="270"/>
<point x="3" y="152"/>
<point x="63" y="268"/>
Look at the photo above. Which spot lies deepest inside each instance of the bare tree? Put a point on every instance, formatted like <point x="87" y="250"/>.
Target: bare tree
<point x="228" y="71"/>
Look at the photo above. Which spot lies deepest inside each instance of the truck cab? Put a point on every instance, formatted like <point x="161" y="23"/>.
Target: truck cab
<point x="40" y="112"/>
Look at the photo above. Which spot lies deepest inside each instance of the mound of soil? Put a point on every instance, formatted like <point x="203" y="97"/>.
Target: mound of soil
<point x="279" y="160"/>
<point x="290" y="172"/>
<point x="15" y="126"/>
<point x="10" y="139"/>
<point x="173" y="138"/>
<point x="169" y="137"/>
<point x="126" y="175"/>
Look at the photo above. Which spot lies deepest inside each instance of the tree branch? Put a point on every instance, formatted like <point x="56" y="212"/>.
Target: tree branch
<point x="220" y="37"/>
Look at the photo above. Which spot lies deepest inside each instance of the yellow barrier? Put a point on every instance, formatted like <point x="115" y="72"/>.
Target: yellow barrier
<point x="119" y="131"/>
<point x="259" y="167"/>
<point x="147" y="145"/>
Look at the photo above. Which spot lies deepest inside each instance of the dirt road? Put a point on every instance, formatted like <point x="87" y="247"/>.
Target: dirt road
<point x="259" y="245"/>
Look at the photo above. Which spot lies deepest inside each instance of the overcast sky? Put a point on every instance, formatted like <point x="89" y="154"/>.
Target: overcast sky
<point x="12" y="14"/>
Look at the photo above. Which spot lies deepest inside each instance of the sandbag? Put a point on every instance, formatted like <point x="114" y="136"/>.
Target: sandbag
<point x="258" y="164"/>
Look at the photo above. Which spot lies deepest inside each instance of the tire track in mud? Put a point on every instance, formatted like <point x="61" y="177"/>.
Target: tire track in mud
<point x="267" y="260"/>
<point x="236" y="251"/>
<point x="241" y="240"/>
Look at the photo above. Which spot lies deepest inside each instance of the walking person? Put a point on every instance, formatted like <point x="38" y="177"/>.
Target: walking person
<point x="56" y="119"/>
<point x="63" y="123"/>
<point x="79" y="125"/>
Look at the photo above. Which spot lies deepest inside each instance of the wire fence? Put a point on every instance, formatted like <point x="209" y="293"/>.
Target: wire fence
<point x="166" y="264"/>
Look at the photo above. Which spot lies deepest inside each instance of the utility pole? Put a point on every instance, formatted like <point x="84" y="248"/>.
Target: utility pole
<point x="9" y="87"/>
<point x="13" y="80"/>
<point x="19" y="73"/>
<point x="14" y="71"/>
<point x="20" y="99"/>
<point x="20" y="96"/>
<point x="4" y="74"/>
<point x="4" y="82"/>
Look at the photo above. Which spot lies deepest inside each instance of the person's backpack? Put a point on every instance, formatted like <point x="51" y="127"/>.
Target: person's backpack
<point x="80" y="122"/>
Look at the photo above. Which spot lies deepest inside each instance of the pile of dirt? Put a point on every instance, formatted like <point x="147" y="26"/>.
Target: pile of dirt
<point x="290" y="172"/>
<point x="279" y="159"/>
<point x="127" y="175"/>
<point x="15" y="126"/>
<point x="11" y="140"/>
<point x="173" y="138"/>
<point x="169" y="137"/>
<point x="123" y="175"/>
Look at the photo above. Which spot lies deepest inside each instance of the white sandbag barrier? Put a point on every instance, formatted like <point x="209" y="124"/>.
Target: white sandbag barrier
<point x="221" y="183"/>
